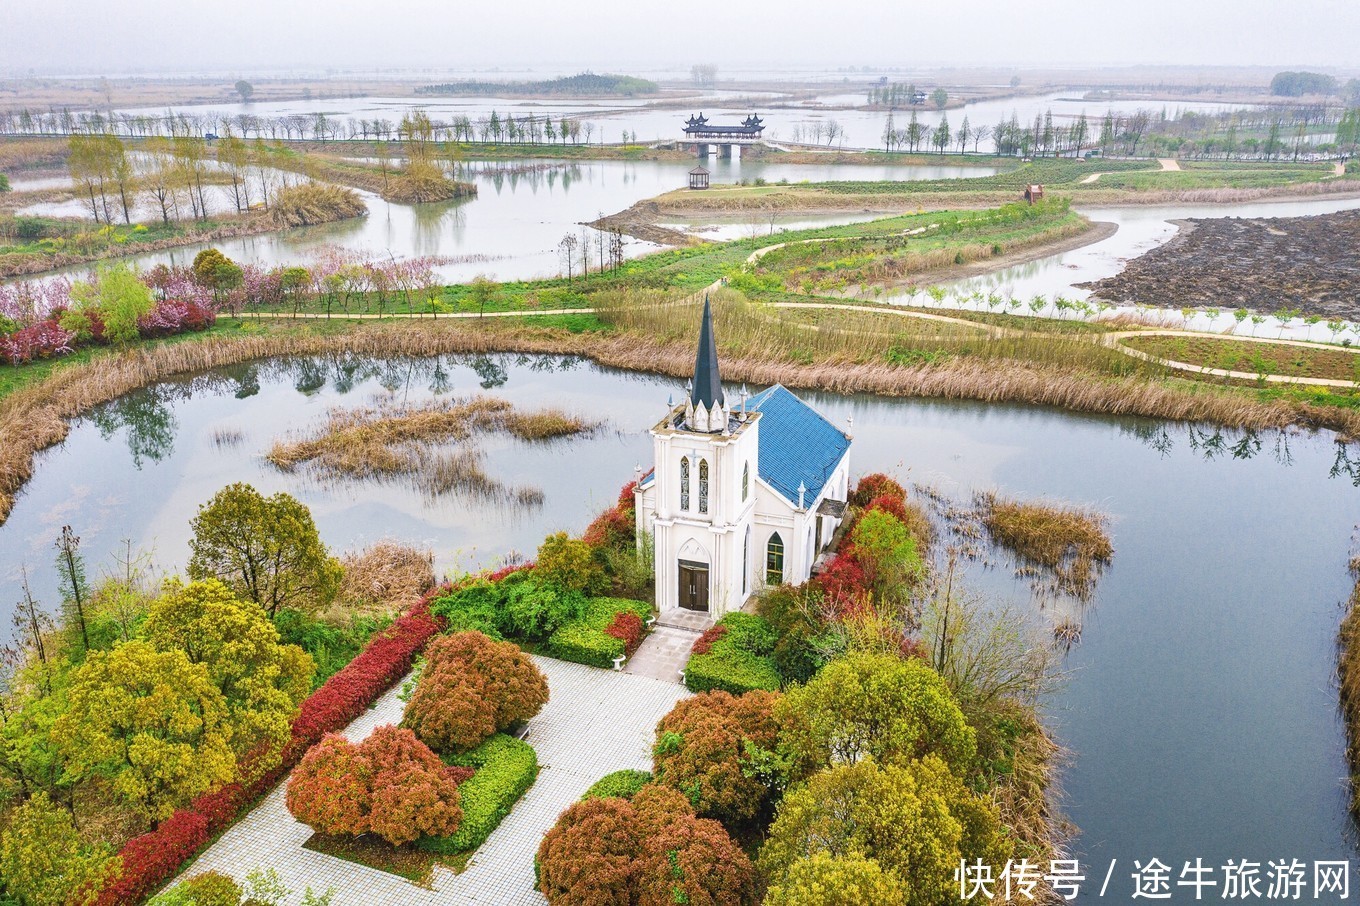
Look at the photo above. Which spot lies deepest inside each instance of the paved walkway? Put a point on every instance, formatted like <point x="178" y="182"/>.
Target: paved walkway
<point x="663" y="654"/>
<point x="596" y="721"/>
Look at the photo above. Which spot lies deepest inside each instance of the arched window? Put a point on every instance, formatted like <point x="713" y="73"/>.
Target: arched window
<point x="745" y="559"/>
<point x="745" y="481"/>
<point x="684" y="482"/>
<point x="774" y="561"/>
<point x="703" y="485"/>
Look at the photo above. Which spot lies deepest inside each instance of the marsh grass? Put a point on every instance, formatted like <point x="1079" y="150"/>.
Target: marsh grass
<point x="311" y="203"/>
<point x="386" y="577"/>
<point x="1068" y="541"/>
<point x="39" y="401"/>
<point x="227" y="438"/>
<point x="386" y="442"/>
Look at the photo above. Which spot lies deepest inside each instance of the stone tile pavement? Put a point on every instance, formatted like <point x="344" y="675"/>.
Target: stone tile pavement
<point x="663" y="654"/>
<point x="596" y="721"/>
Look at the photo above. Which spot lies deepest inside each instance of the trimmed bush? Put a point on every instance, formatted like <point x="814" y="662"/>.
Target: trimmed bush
<point x="505" y="768"/>
<point x="390" y="784"/>
<point x="707" y="748"/>
<point x="588" y="641"/>
<point x="618" y="785"/>
<point x="627" y="628"/>
<point x="470" y="687"/>
<point x="737" y="660"/>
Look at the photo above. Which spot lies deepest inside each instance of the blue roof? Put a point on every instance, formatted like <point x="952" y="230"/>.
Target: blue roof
<point x="797" y="445"/>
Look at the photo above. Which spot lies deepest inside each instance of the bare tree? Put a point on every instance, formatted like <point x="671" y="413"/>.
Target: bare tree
<point x="566" y="250"/>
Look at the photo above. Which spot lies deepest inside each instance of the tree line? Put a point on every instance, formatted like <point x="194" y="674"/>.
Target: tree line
<point x="491" y="127"/>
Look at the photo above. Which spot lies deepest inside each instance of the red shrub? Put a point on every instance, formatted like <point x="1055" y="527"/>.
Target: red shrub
<point x="876" y="484"/>
<point x="470" y="688"/>
<point x="626" y="499"/>
<point x="589" y="857"/>
<point x="42" y="340"/>
<point x="626" y="627"/>
<point x="894" y="506"/>
<point x="704" y="643"/>
<point x="702" y="751"/>
<point x="695" y="861"/>
<point x="612" y="528"/>
<point x="390" y="784"/>
<point x="151" y="859"/>
<point x="844" y="582"/>
<point x="503" y="572"/>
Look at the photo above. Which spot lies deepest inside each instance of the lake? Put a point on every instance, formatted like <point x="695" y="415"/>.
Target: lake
<point x="1200" y="708"/>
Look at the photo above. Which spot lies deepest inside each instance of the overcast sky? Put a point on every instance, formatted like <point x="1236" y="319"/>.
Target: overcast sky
<point x="161" y="35"/>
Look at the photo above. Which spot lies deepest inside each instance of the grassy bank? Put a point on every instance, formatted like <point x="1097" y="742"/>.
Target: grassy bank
<point x="1070" y="373"/>
<point x="1115" y="182"/>
<point x="1258" y="358"/>
<point x="1348" y="674"/>
<point x="47" y="243"/>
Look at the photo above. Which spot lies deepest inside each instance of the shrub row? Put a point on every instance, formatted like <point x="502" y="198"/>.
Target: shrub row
<point x="734" y="656"/>
<point x="505" y="768"/>
<point x="149" y="860"/>
<point x="588" y="640"/>
<point x="618" y="785"/>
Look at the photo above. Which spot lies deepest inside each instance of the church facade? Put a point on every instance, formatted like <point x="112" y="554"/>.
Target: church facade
<point x="740" y="496"/>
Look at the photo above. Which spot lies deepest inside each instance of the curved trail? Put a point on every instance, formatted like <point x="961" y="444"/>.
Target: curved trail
<point x="1113" y="339"/>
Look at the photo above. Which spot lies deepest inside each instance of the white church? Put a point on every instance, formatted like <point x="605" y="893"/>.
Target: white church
<point x="741" y="496"/>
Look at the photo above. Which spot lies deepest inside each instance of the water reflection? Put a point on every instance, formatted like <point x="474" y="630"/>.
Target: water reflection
<point x="148" y="423"/>
<point x="1212" y="442"/>
<point x="1219" y="617"/>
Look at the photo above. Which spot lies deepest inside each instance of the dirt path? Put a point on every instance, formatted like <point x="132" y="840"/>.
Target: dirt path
<point x="1168" y="164"/>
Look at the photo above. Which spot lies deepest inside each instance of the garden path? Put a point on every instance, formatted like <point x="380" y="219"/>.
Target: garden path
<point x="596" y="721"/>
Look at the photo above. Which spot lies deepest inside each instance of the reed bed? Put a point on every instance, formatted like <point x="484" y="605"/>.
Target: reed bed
<point x="1069" y="541"/>
<point x="388" y="442"/>
<point x="226" y="438"/>
<point x="386" y="577"/>
<point x="1348" y="677"/>
<point x="35" y="417"/>
<point x="311" y="203"/>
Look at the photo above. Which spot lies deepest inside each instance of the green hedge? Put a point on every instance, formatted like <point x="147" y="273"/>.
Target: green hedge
<point x="739" y="661"/>
<point x="618" y="785"/>
<point x="506" y="768"/>
<point x="584" y="641"/>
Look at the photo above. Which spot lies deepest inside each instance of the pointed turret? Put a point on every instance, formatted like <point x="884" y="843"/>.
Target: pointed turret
<point x="706" y="410"/>
<point x="707" y="388"/>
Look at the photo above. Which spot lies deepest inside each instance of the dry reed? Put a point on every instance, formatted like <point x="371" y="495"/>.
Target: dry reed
<point x="225" y="438"/>
<point x="311" y="203"/>
<point x="387" y="442"/>
<point x="35" y="417"/>
<point x="1069" y="541"/>
<point x="1348" y="678"/>
<point x="387" y="577"/>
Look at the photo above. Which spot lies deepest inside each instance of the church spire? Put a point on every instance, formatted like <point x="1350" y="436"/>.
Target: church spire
<point x="707" y="390"/>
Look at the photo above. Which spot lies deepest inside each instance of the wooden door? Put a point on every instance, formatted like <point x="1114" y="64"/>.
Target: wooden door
<point x="693" y="585"/>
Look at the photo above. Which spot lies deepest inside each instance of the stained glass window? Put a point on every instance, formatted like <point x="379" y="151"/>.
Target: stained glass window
<point x="703" y="485"/>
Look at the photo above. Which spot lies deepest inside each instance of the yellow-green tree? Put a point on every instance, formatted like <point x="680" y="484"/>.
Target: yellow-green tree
<point x="266" y="549"/>
<point x="874" y="706"/>
<point x="43" y="860"/>
<point x="915" y="820"/>
<point x="825" y="880"/>
<point x="262" y="681"/>
<point x="152" y="723"/>
<point x="569" y="562"/>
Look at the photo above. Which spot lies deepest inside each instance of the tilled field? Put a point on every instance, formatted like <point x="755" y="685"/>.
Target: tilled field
<point x="1306" y="263"/>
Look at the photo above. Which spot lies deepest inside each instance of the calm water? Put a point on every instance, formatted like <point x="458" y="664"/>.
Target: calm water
<point x="511" y="229"/>
<point x="1140" y="230"/>
<point x="787" y="122"/>
<point x="1200" y="709"/>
